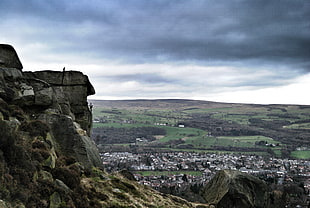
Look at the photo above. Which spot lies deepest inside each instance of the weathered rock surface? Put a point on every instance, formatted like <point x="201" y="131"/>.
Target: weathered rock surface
<point x="234" y="189"/>
<point x="64" y="91"/>
<point x="9" y="58"/>
<point x="58" y="99"/>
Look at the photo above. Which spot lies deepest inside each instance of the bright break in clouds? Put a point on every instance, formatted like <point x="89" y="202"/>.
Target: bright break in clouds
<point x="237" y="51"/>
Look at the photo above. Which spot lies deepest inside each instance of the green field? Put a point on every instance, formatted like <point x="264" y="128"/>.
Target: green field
<point x="242" y="141"/>
<point x="301" y="154"/>
<point x="167" y="173"/>
<point x="196" y="137"/>
<point x="267" y="120"/>
<point x="174" y="133"/>
<point x="298" y="126"/>
<point x="119" y="125"/>
<point x="217" y="151"/>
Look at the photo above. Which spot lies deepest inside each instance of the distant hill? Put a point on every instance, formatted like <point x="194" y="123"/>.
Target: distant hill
<point x="160" y="103"/>
<point x="281" y="130"/>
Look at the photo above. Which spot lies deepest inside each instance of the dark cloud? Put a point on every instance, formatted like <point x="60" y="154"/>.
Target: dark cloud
<point x="275" y="32"/>
<point x="268" y="31"/>
<point x="144" y="78"/>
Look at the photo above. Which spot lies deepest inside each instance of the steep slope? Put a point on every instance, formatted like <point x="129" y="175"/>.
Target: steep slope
<point x="47" y="158"/>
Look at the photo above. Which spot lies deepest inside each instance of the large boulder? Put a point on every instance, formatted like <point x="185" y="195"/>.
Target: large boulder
<point x="70" y="90"/>
<point x="64" y="78"/>
<point x="234" y="189"/>
<point x="9" y="58"/>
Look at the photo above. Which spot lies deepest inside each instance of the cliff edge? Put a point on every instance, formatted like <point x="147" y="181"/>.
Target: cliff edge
<point x="55" y="100"/>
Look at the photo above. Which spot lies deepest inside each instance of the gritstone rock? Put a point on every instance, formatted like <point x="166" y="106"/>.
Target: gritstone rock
<point x="57" y="98"/>
<point x="9" y="58"/>
<point x="234" y="189"/>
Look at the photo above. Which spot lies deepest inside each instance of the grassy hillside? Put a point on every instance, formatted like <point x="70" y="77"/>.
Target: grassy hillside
<point x="190" y="125"/>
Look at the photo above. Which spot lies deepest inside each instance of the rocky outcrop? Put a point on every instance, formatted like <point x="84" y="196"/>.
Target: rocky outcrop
<point x="65" y="92"/>
<point x="58" y="99"/>
<point x="9" y="58"/>
<point x="234" y="189"/>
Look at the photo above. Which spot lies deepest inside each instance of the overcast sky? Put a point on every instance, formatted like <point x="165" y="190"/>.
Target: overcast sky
<point x="250" y="51"/>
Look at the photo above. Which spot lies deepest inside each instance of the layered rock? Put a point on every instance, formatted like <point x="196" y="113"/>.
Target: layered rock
<point x="58" y="99"/>
<point x="234" y="189"/>
<point x="65" y="92"/>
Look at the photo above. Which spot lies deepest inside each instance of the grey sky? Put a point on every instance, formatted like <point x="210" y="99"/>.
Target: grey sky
<point x="222" y="50"/>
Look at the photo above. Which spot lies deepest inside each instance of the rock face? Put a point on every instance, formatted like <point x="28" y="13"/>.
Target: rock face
<point x="65" y="91"/>
<point x="58" y="99"/>
<point x="234" y="189"/>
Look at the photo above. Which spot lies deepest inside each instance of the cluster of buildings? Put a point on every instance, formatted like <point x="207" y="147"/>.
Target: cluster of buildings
<point x="182" y="164"/>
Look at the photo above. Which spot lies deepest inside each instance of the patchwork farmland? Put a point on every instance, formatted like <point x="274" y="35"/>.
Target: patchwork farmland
<point x="201" y="126"/>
